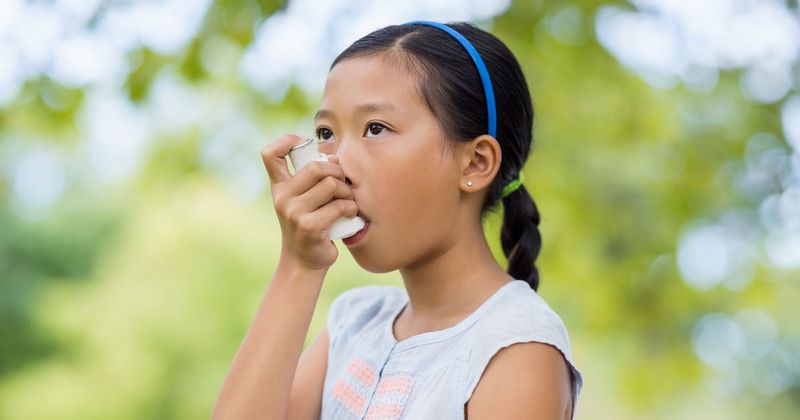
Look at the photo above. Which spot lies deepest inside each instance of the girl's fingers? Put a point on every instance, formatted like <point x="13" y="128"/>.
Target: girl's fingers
<point x="274" y="157"/>
<point x="323" y="218"/>
<point x="312" y="173"/>
<point x="327" y="189"/>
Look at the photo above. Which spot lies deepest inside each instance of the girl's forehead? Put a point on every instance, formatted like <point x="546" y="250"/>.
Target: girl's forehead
<point x="371" y="80"/>
<point x="380" y="63"/>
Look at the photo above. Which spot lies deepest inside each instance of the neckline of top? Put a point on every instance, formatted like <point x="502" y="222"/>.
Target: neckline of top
<point x="443" y="334"/>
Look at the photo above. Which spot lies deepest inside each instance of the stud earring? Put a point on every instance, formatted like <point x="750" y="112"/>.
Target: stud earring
<point x="469" y="183"/>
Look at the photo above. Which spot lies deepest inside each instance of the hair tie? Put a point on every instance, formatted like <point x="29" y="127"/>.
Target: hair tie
<point x="513" y="185"/>
<point x="476" y="58"/>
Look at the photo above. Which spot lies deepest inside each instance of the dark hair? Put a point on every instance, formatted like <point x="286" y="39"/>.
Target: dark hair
<point x="451" y="87"/>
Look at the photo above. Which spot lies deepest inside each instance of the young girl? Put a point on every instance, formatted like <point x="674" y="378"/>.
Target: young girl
<point x="427" y="128"/>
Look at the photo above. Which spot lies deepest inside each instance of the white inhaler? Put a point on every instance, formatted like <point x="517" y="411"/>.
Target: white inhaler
<point x="307" y="152"/>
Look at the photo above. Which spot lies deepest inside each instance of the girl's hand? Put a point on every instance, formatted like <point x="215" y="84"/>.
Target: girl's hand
<point x="307" y="204"/>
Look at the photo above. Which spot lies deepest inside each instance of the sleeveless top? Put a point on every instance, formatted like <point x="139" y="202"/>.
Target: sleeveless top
<point x="430" y="375"/>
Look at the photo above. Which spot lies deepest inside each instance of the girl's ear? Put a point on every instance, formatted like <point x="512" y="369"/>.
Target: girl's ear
<point x="480" y="161"/>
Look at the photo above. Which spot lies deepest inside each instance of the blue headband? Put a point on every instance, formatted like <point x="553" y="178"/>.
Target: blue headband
<point x="487" y="82"/>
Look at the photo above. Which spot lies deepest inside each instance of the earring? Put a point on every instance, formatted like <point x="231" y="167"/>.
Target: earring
<point x="469" y="183"/>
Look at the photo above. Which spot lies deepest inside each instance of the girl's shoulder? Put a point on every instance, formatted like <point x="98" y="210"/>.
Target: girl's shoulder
<point x="520" y="316"/>
<point x="522" y="311"/>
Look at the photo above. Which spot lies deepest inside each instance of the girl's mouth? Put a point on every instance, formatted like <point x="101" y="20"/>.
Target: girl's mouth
<point x="352" y="240"/>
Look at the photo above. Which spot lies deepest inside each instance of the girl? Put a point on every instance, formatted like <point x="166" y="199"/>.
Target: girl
<point x="427" y="128"/>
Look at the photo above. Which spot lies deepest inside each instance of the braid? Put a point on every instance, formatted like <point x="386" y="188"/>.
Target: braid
<point x="520" y="236"/>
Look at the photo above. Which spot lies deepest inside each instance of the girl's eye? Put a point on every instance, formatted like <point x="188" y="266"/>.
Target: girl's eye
<point x="375" y="129"/>
<point x="324" y="134"/>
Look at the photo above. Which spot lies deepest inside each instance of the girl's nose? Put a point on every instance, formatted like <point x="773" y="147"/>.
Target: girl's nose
<point x="335" y="159"/>
<point x="345" y="156"/>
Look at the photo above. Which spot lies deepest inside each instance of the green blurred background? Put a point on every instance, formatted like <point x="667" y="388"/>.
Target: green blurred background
<point x="137" y="233"/>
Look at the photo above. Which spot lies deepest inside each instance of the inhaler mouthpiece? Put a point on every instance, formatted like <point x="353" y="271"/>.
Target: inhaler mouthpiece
<point x="307" y="152"/>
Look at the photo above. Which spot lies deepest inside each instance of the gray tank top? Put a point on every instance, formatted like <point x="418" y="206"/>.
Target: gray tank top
<point x="431" y="375"/>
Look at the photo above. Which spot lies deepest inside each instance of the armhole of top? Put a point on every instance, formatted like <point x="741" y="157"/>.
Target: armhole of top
<point x="576" y="379"/>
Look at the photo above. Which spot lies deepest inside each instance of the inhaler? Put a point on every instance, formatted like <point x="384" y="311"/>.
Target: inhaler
<point x="307" y="152"/>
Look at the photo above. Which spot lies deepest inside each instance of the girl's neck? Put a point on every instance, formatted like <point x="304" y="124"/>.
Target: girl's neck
<point x="448" y="287"/>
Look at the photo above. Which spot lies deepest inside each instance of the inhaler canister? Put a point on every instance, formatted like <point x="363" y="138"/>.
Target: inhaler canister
<point x="307" y="152"/>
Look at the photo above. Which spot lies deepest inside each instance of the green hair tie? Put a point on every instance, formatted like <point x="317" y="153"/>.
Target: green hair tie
<point x="512" y="186"/>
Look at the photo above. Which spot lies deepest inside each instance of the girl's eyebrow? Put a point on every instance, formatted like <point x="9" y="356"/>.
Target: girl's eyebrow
<point x="360" y="110"/>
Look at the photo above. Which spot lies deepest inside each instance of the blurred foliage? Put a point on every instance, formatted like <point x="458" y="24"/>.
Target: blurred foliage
<point x="130" y="301"/>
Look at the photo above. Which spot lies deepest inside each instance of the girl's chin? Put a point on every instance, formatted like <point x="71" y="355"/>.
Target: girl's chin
<point x="373" y="262"/>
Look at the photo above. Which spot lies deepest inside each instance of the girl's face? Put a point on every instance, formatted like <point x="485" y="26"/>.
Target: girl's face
<point x="390" y="147"/>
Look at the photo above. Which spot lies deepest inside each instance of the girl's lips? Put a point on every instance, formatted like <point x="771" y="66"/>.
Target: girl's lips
<point x="352" y="240"/>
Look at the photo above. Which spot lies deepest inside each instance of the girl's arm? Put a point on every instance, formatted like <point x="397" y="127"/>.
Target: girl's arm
<point x="309" y="380"/>
<point x="259" y="382"/>
<point x="523" y="381"/>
